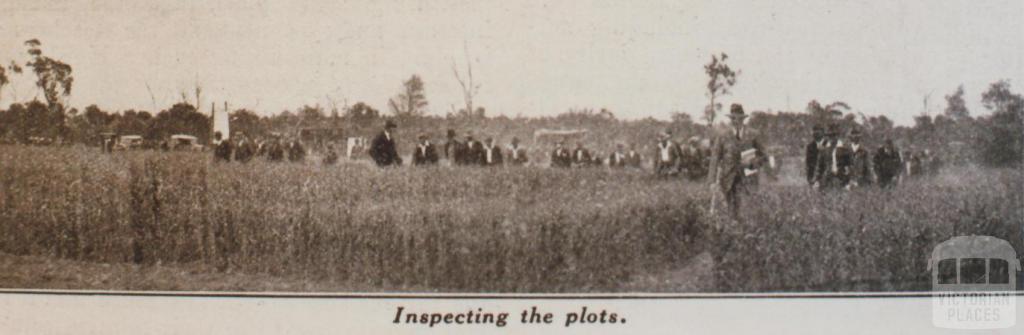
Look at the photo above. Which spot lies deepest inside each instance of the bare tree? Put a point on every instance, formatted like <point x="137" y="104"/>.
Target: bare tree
<point x="469" y="87"/>
<point x="721" y="78"/>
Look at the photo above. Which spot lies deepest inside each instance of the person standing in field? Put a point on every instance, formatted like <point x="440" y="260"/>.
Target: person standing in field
<point x="580" y="156"/>
<point x="491" y="153"/>
<point x="224" y="148"/>
<point x="617" y="160"/>
<point x="633" y="158"/>
<point x="560" y="157"/>
<point x="474" y="152"/>
<point x="666" y="159"/>
<point x="245" y="150"/>
<point x="736" y="158"/>
<point x="516" y="153"/>
<point x="454" y="151"/>
<point x="811" y="153"/>
<point x="861" y="173"/>
<point x="382" y="149"/>
<point x="330" y="156"/>
<point x="275" y="150"/>
<point x="296" y="152"/>
<point x="692" y="160"/>
<point x="832" y="171"/>
<point x="424" y="154"/>
<point x="888" y="164"/>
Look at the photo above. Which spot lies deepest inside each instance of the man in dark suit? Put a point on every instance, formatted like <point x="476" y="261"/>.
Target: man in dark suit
<point x="617" y="160"/>
<point x="224" y="148"/>
<point x="692" y="160"/>
<point x="474" y="151"/>
<point x="454" y="150"/>
<point x="382" y="149"/>
<point x="561" y="157"/>
<point x="580" y="156"/>
<point x="491" y="153"/>
<point x="296" y="152"/>
<point x="888" y="164"/>
<point x="811" y="152"/>
<point x="424" y="154"/>
<point x="736" y="159"/>
<point x="516" y="153"/>
<point x="833" y="168"/>
<point x="860" y="170"/>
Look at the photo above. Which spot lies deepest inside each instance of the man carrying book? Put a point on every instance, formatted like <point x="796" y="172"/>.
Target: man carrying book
<point x="736" y="159"/>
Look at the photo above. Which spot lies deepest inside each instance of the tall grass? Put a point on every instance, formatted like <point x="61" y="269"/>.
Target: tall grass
<point x="479" y="230"/>
<point x="433" y="228"/>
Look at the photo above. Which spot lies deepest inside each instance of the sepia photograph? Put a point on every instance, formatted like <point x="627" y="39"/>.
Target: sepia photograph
<point x="511" y="147"/>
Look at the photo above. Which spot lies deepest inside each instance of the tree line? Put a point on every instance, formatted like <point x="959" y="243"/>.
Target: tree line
<point x="994" y="139"/>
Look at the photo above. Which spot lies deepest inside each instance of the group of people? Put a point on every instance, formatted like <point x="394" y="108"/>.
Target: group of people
<point x="241" y="149"/>
<point x="834" y="162"/>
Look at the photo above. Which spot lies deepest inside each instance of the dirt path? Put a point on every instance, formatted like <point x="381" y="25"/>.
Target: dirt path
<point x="693" y="276"/>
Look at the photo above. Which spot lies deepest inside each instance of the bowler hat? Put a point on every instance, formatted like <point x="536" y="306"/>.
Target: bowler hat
<point x="736" y="111"/>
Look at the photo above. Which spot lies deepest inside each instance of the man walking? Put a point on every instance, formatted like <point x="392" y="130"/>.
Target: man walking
<point x="382" y="149"/>
<point x="832" y="171"/>
<point x="736" y="159"/>
<point x="888" y="164"/>
<point x="861" y="173"/>
<point x="811" y="153"/>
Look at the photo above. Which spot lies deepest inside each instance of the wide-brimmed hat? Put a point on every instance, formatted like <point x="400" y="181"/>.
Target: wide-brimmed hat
<point x="736" y="111"/>
<point x="390" y="124"/>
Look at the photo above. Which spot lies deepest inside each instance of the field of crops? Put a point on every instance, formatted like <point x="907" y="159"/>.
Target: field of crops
<point x="480" y="230"/>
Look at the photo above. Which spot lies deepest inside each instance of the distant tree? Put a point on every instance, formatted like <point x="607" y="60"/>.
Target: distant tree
<point x="182" y="118"/>
<point x="362" y="114"/>
<point x="247" y="122"/>
<point x="721" y="78"/>
<point x="956" y="107"/>
<point x="5" y="78"/>
<point x="53" y="76"/>
<point x="131" y="122"/>
<point x="411" y="101"/>
<point x="1003" y="140"/>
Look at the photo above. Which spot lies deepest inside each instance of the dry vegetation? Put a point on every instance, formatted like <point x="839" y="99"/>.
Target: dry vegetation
<point x="477" y="230"/>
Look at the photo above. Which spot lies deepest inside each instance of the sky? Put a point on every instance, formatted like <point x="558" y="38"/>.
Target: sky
<point x="531" y="58"/>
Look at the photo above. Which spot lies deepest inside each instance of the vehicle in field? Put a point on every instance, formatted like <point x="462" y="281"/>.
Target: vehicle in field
<point x="185" y="143"/>
<point x="974" y="263"/>
<point x="129" y="142"/>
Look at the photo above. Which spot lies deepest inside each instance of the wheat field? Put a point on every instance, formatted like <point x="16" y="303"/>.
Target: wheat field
<point x="527" y="229"/>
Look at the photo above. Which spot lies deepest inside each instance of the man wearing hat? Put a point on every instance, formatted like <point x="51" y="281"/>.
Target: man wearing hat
<point x="832" y="171"/>
<point x="382" y="149"/>
<point x="424" y="154"/>
<point x="811" y="152"/>
<point x="666" y="159"/>
<point x="736" y="159"/>
<point x="491" y="153"/>
<point x="860" y="170"/>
